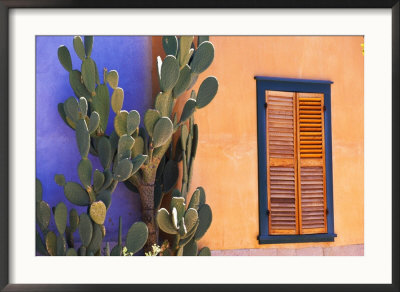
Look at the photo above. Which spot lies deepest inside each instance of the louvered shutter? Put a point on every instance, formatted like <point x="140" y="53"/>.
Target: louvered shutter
<point x="311" y="165"/>
<point x="281" y="162"/>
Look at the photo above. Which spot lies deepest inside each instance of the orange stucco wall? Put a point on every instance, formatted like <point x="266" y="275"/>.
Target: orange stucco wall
<point x="226" y="162"/>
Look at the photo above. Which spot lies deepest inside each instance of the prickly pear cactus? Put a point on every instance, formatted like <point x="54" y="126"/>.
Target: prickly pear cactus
<point x="87" y="114"/>
<point x="142" y="158"/>
<point x="90" y="227"/>
<point x="188" y="224"/>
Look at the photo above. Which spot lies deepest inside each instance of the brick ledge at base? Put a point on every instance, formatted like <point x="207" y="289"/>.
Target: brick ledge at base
<point x="345" y="250"/>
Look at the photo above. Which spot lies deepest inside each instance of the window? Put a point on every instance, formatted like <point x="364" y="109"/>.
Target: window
<point x="294" y="160"/>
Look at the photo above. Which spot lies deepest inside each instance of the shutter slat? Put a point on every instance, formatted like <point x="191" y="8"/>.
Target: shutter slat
<point x="281" y="116"/>
<point x="311" y="151"/>
<point x="277" y="110"/>
<point x="282" y="129"/>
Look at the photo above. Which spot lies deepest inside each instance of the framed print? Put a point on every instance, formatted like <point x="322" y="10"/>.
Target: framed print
<point x="263" y="138"/>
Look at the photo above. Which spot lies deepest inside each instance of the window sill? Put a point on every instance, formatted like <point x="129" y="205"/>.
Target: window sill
<point x="270" y="239"/>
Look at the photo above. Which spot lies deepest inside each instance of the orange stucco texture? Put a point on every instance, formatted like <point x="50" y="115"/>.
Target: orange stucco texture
<point x="226" y="164"/>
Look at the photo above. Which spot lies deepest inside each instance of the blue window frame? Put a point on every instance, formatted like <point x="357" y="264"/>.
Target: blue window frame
<point x="292" y="85"/>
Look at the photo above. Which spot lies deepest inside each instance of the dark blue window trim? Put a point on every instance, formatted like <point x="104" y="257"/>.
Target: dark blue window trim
<point x="293" y="85"/>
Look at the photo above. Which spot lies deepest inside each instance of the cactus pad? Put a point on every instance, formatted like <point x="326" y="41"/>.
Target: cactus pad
<point x="43" y="214"/>
<point x="150" y="118"/>
<point x="138" y="147"/>
<point x="182" y="227"/>
<point x="205" y="251"/>
<point x="164" y="222"/>
<point x="123" y="170"/>
<point x="51" y="243"/>
<point x="184" y="136"/>
<point x="79" y="48"/>
<point x="73" y="220"/>
<point x="101" y="104"/>
<point x="85" y="172"/>
<point x="183" y="81"/>
<point x="202" y="58"/>
<point x="195" y="200"/>
<point x="185" y="44"/>
<point x="202" y="199"/>
<point x="179" y="204"/>
<point x="190" y="248"/>
<point x="162" y="131"/>
<point x="71" y="252"/>
<point x="174" y="218"/>
<point x="170" y="45"/>
<point x="163" y="103"/>
<point x="108" y="178"/>
<point x="104" y="150"/>
<point x="191" y="218"/>
<point x="60" y="216"/>
<point x="71" y="109"/>
<point x="97" y="212"/>
<point x="136" y="237"/>
<point x="61" y="111"/>
<point x="94" y="122"/>
<point x="185" y="239"/>
<point x="83" y="106"/>
<point x="188" y="109"/>
<point x="120" y="122"/>
<point x="40" y="246"/>
<point x="205" y="217"/>
<point x="117" y="99"/>
<point x="195" y="140"/>
<point x="85" y="229"/>
<point x="39" y="191"/>
<point x="105" y="197"/>
<point x="207" y="91"/>
<point x="82" y="138"/>
<point x="125" y="145"/>
<point x="95" y="243"/>
<point x="132" y="121"/>
<point x="112" y="79"/>
<point x="76" y="194"/>
<point x="61" y="245"/>
<point x="137" y="162"/>
<point x="88" y="45"/>
<point x="76" y="84"/>
<point x="116" y="251"/>
<point x="169" y="73"/>
<point x="88" y="70"/>
<point x="98" y="180"/>
<point x="65" y="58"/>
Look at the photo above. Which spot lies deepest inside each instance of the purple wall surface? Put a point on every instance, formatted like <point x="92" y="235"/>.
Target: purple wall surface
<point x="56" y="148"/>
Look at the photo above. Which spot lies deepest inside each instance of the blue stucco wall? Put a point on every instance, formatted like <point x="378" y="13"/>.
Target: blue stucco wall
<point x="56" y="149"/>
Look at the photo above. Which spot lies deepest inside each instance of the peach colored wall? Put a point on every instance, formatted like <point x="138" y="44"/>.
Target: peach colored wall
<point x="226" y="162"/>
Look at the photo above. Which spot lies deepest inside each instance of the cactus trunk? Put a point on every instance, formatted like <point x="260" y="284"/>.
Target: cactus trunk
<point x="149" y="214"/>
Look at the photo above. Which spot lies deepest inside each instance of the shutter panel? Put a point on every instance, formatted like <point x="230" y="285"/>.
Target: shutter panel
<point x="311" y="166"/>
<point x="281" y="162"/>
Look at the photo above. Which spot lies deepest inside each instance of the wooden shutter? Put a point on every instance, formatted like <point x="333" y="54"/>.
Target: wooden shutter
<point x="281" y="162"/>
<point x="311" y="166"/>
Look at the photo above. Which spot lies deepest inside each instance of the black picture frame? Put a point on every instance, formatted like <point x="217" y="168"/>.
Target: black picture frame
<point x="6" y="5"/>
